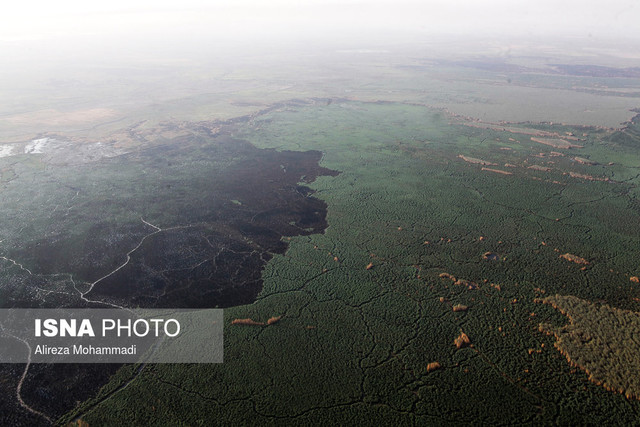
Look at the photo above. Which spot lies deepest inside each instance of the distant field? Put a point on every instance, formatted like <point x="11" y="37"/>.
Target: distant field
<point x="95" y="100"/>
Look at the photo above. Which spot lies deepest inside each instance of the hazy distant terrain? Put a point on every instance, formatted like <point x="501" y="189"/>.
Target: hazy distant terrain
<point x="98" y="96"/>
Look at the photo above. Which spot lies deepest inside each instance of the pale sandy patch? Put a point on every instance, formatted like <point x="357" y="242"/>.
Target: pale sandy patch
<point x="51" y="117"/>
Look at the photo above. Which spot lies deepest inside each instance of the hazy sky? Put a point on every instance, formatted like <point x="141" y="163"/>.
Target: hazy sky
<point x="30" y="20"/>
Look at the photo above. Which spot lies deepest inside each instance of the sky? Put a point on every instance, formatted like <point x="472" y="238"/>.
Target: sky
<point x="256" y="19"/>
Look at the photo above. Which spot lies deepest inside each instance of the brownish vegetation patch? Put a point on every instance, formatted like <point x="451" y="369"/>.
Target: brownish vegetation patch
<point x="460" y="282"/>
<point x="369" y="266"/>
<point x="460" y="307"/>
<point x="462" y="341"/>
<point x="634" y="279"/>
<point x="490" y="256"/>
<point x="447" y="276"/>
<point x="433" y="366"/>
<point x="467" y="283"/>
<point x="584" y="161"/>
<point x="497" y="171"/>
<point x="504" y="127"/>
<point x="476" y="161"/>
<point x="556" y="142"/>
<point x="247" y="322"/>
<point x="587" y="177"/>
<point x="540" y="168"/>
<point x="601" y="340"/>
<point x="273" y="320"/>
<point x="574" y="258"/>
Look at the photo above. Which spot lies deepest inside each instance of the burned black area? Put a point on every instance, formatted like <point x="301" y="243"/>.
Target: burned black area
<point x="11" y="413"/>
<point x="223" y="208"/>
<point x="50" y="389"/>
<point x="214" y="253"/>
<point x="194" y="267"/>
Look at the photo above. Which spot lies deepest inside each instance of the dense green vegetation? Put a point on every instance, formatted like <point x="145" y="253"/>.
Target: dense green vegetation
<point x="364" y="308"/>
